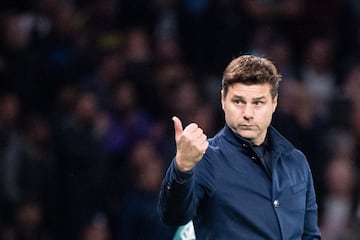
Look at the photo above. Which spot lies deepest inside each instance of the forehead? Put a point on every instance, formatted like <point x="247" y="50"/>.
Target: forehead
<point x="250" y="91"/>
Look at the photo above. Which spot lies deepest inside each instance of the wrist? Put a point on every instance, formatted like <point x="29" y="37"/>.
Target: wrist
<point x="182" y="167"/>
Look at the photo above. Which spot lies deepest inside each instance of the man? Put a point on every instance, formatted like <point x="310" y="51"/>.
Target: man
<point x="248" y="181"/>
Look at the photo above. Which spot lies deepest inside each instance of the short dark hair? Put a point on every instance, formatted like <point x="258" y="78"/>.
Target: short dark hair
<point x="250" y="69"/>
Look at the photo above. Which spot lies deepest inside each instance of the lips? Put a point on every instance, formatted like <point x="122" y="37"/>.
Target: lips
<point x="247" y="127"/>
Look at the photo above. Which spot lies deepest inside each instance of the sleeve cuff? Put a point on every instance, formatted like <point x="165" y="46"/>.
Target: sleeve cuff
<point x="181" y="176"/>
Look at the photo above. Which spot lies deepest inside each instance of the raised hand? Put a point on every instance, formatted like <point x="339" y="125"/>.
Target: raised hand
<point x="191" y="144"/>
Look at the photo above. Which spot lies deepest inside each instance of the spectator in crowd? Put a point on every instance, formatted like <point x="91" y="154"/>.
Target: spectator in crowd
<point x="29" y="222"/>
<point x="340" y="182"/>
<point x="35" y="176"/>
<point x="137" y="216"/>
<point x="82" y="163"/>
<point x="11" y="147"/>
<point x="108" y="73"/>
<point x="139" y="57"/>
<point x="351" y="84"/>
<point x="281" y="52"/>
<point x="128" y="122"/>
<point x="318" y="72"/>
<point x="20" y="64"/>
<point x="97" y="229"/>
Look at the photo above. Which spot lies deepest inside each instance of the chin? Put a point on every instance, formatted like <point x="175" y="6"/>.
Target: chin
<point x="246" y="134"/>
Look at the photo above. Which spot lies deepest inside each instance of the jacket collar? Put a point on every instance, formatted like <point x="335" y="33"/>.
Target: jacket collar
<point x="277" y="142"/>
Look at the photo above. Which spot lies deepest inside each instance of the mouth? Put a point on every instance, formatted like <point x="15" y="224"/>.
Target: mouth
<point x="247" y="127"/>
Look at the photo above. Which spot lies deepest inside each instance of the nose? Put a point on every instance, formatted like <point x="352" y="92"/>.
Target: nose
<point x="248" y="112"/>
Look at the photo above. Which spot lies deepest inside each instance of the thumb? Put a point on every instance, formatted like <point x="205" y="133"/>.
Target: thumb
<point x="177" y="126"/>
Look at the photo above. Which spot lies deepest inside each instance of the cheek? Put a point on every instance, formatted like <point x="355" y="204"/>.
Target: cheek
<point x="233" y="113"/>
<point x="266" y="116"/>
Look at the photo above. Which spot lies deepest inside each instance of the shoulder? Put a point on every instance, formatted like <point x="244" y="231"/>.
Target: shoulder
<point x="218" y="139"/>
<point x="288" y="151"/>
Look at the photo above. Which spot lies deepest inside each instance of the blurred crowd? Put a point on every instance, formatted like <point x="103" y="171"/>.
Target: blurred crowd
<point x="88" y="88"/>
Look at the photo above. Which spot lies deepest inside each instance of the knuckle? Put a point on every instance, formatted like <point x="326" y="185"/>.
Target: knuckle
<point x="192" y="126"/>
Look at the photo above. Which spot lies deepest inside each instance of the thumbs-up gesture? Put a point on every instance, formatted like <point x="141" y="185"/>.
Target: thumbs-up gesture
<point x="191" y="144"/>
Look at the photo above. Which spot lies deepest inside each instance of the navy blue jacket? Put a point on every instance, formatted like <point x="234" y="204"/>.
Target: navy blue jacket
<point x="230" y="195"/>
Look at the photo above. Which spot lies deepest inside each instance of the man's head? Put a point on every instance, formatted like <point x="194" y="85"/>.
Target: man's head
<point x="249" y="96"/>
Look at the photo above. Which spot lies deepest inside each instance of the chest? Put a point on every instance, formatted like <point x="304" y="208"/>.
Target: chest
<point x="242" y="184"/>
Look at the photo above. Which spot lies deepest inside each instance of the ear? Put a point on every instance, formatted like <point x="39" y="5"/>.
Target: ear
<point x="222" y="99"/>
<point x="275" y="102"/>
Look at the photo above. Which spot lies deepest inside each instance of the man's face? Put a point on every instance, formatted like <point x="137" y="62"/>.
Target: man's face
<point x="248" y="110"/>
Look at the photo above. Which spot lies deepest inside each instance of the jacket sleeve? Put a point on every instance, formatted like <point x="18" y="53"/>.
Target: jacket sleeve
<point x="177" y="203"/>
<point x="311" y="227"/>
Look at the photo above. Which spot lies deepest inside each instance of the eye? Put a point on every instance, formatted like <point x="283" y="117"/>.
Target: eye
<point x="237" y="101"/>
<point x="258" y="103"/>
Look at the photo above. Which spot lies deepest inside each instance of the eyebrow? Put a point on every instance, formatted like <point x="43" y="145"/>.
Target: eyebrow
<point x="259" y="98"/>
<point x="253" y="99"/>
